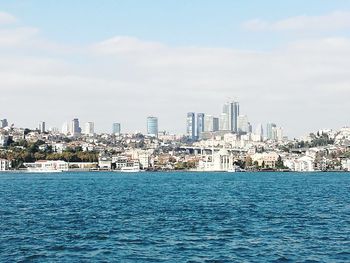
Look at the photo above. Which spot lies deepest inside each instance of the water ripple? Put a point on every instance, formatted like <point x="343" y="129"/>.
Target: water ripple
<point x="175" y="217"/>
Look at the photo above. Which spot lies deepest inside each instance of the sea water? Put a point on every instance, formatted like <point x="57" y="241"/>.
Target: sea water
<point x="175" y="217"/>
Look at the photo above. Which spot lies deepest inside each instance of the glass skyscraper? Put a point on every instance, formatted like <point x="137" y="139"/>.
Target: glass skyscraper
<point x="270" y="127"/>
<point x="243" y="124"/>
<point x="216" y="125"/>
<point x="152" y="126"/>
<point x="191" y="125"/>
<point x="231" y="109"/>
<point x="200" y="124"/>
<point x="75" y="127"/>
<point x="42" y="127"/>
<point x="116" y="127"/>
<point x="3" y="123"/>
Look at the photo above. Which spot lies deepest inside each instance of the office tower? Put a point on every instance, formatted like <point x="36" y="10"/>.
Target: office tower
<point x="243" y="124"/>
<point x="231" y="109"/>
<point x="3" y="123"/>
<point x="211" y="123"/>
<point x="215" y="124"/>
<point x="66" y="128"/>
<point x="116" y="128"/>
<point x="191" y="125"/>
<point x="250" y="127"/>
<point x="208" y="123"/>
<point x="54" y="130"/>
<point x="279" y="134"/>
<point x="274" y="133"/>
<point x="42" y="127"/>
<point x="259" y="130"/>
<point x="89" y="128"/>
<point x="270" y="127"/>
<point x="226" y="110"/>
<point x="235" y="114"/>
<point x="152" y="126"/>
<point x="224" y="122"/>
<point x="200" y="124"/>
<point x="75" y="128"/>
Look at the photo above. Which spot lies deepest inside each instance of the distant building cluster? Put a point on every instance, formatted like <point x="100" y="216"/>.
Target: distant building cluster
<point x="203" y="126"/>
<point x="224" y="143"/>
<point x="73" y="128"/>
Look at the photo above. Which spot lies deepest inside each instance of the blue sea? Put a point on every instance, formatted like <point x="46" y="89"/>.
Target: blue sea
<point x="175" y="217"/>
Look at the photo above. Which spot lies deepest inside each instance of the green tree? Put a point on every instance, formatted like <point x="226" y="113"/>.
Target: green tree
<point x="279" y="164"/>
<point x="248" y="161"/>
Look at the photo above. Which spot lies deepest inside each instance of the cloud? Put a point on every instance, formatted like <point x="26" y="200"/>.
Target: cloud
<point x="300" y="86"/>
<point x="337" y="20"/>
<point x="125" y="44"/>
<point x="17" y="36"/>
<point x="29" y="38"/>
<point x="6" y="18"/>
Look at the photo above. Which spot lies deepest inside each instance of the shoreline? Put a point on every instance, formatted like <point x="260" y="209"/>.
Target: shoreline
<point x="168" y="171"/>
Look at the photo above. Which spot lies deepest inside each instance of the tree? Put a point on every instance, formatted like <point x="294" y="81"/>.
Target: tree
<point x="9" y="141"/>
<point x="26" y="131"/>
<point x="279" y="164"/>
<point x="248" y="161"/>
<point x="39" y="156"/>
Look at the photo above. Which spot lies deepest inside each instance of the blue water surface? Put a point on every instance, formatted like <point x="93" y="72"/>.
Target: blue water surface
<point x="175" y="217"/>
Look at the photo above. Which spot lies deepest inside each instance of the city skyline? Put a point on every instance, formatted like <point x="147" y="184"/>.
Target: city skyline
<point x="174" y="130"/>
<point x="287" y="63"/>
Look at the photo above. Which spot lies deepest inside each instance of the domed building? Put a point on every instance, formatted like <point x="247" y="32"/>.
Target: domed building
<point x="220" y="161"/>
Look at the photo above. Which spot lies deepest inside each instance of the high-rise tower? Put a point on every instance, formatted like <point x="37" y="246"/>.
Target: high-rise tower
<point x="231" y="109"/>
<point x="152" y="126"/>
<point x="200" y="124"/>
<point x="191" y="125"/>
<point x="116" y="128"/>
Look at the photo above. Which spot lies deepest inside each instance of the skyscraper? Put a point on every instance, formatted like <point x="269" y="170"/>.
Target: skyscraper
<point x="279" y="133"/>
<point x="235" y="114"/>
<point x="42" y="127"/>
<point x="211" y="123"/>
<point x="3" y="123"/>
<point x="224" y="122"/>
<point x="152" y="126"/>
<point x="215" y="124"/>
<point x="75" y="128"/>
<point x="231" y="109"/>
<point x="66" y="128"/>
<point x="208" y="123"/>
<point x="116" y="128"/>
<point x="259" y="130"/>
<point x="89" y="128"/>
<point x="243" y="124"/>
<point x="270" y="134"/>
<point x="191" y="125"/>
<point x="250" y="127"/>
<point x="200" y="124"/>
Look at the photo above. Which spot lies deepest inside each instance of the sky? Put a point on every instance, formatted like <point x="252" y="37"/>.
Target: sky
<point x="286" y="62"/>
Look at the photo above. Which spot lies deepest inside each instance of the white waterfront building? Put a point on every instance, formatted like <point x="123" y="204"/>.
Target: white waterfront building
<point x="346" y="164"/>
<point x="4" y="165"/>
<point x="47" y="166"/>
<point x="302" y="164"/>
<point x="216" y="162"/>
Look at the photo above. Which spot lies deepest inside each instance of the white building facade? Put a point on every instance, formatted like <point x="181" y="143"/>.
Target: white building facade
<point x="5" y="165"/>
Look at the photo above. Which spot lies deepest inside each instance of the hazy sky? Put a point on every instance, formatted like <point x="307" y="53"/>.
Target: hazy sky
<point x="286" y="62"/>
